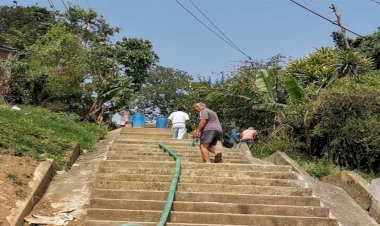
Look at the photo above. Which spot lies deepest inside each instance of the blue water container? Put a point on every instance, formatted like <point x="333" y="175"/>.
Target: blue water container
<point x="161" y="122"/>
<point x="138" y="120"/>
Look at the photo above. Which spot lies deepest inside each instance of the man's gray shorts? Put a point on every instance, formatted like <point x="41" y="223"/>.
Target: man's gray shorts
<point x="210" y="137"/>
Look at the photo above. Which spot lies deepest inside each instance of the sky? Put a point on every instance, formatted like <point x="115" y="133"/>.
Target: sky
<point x="260" y="28"/>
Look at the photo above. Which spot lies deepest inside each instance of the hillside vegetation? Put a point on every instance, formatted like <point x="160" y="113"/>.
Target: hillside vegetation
<point x="323" y="108"/>
<point x="43" y="134"/>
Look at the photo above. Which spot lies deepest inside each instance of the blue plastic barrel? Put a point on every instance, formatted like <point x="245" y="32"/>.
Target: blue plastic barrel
<point x="138" y="120"/>
<point x="161" y="122"/>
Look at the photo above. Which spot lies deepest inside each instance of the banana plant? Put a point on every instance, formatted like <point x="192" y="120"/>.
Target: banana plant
<point x="110" y="94"/>
<point x="264" y="86"/>
<point x="294" y="89"/>
<point x="297" y="94"/>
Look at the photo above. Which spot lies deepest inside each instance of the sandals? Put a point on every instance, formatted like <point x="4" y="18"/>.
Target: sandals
<point x="218" y="158"/>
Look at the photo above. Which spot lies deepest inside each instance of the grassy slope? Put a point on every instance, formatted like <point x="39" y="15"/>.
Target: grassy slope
<point x="42" y="134"/>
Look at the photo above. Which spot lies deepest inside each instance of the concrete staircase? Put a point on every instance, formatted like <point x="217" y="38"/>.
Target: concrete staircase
<point x="133" y="183"/>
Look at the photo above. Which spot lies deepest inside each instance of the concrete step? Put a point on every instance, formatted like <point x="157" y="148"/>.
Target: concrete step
<point x="182" y="154"/>
<point x="128" y="130"/>
<point x="165" y="141"/>
<point x="135" y="154"/>
<point x="200" y="180"/>
<point x="118" y="223"/>
<point x="200" y="172"/>
<point x="167" y="157"/>
<point x="146" y="148"/>
<point x="140" y="158"/>
<point x="209" y="197"/>
<point x="143" y="143"/>
<point x="191" y="187"/>
<point x="247" y="198"/>
<point x="149" y="146"/>
<point x="152" y="146"/>
<point x="160" y="152"/>
<point x="206" y="218"/>
<point x="248" y="219"/>
<point x="138" y="195"/>
<point x="141" y="136"/>
<point x="207" y="207"/>
<point x="189" y="165"/>
<point x="129" y="215"/>
<point x="184" y="143"/>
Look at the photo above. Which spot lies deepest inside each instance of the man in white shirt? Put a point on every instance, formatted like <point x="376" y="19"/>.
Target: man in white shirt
<point x="178" y="119"/>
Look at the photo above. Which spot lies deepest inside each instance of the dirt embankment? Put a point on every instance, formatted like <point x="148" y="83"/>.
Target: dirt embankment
<point x="15" y="174"/>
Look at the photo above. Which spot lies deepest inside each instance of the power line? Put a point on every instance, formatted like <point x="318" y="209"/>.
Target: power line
<point x="64" y="4"/>
<point x="205" y="25"/>
<point x="237" y="49"/>
<point x="224" y="35"/>
<point x="333" y="22"/>
<point x="376" y="2"/>
<point x="52" y="6"/>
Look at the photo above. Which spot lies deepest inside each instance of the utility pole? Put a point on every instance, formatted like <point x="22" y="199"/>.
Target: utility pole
<point x="339" y="23"/>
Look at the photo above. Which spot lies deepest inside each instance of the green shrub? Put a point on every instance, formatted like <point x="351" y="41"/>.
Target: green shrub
<point x="264" y="148"/>
<point x="347" y="129"/>
<point x="342" y="123"/>
<point x="316" y="167"/>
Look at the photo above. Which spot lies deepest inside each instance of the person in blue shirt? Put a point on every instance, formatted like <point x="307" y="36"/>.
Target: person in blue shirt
<point x="234" y="136"/>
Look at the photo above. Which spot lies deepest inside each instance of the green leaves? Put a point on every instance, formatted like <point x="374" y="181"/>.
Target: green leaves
<point x="137" y="57"/>
<point x="60" y="59"/>
<point x="264" y="85"/>
<point x="20" y="26"/>
<point x="122" y="86"/>
<point x="350" y="63"/>
<point x="163" y="89"/>
<point x="295" y="91"/>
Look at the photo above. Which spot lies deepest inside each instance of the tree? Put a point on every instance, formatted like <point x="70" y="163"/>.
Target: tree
<point x="91" y="26"/>
<point x="163" y="90"/>
<point x="370" y="46"/>
<point x="22" y="26"/>
<point x="69" y="60"/>
<point x="57" y="64"/>
<point x="107" y="90"/>
<point x="349" y="63"/>
<point x="312" y="69"/>
<point x="319" y="69"/>
<point x="367" y="45"/>
<point x="137" y="57"/>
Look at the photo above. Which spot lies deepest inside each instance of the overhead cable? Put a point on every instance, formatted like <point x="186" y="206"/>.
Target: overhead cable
<point x="213" y="24"/>
<point x="210" y="29"/>
<point x="333" y="22"/>
<point x="53" y="7"/>
<point x="64" y="4"/>
<point x="51" y="4"/>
